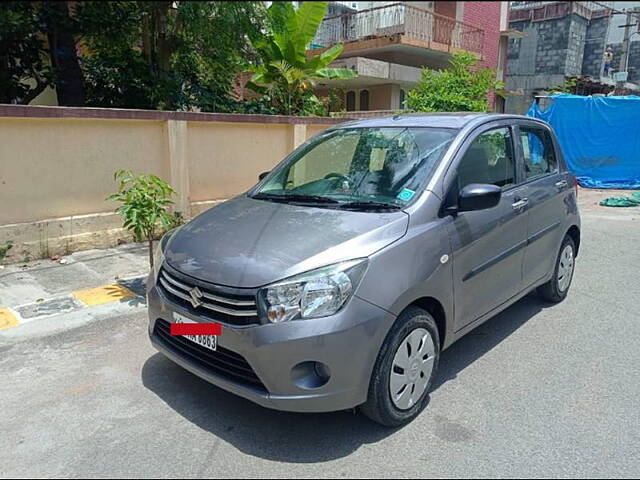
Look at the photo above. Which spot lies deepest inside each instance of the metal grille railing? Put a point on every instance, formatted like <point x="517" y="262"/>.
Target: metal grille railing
<point x="538" y="11"/>
<point x="399" y="18"/>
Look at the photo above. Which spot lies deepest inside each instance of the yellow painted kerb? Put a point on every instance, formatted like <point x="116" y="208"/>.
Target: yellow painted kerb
<point x="7" y="319"/>
<point x="104" y="294"/>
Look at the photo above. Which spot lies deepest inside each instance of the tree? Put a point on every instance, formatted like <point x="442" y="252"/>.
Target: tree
<point x="24" y="70"/>
<point x="145" y="202"/>
<point x="62" y="29"/>
<point x="166" y="55"/>
<point x="461" y="88"/>
<point x="38" y="50"/>
<point x="285" y="73"/>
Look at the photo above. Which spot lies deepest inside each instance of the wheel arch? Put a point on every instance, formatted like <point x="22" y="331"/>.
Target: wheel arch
<point x="436" y="309"/>
<point x="574" y="233"/>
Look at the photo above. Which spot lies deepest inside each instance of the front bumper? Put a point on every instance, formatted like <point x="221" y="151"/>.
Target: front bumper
<point x="348" y="343"/>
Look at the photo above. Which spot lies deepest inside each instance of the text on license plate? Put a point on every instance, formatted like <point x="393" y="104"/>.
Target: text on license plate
<point x="207" y="341"/>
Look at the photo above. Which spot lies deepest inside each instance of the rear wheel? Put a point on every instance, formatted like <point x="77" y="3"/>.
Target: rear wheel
<point x="404" y="370"/>
<point x="556" y="289"/>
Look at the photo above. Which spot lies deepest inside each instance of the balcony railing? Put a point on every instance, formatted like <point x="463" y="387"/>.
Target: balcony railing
<point x="399" y="18"/>
<point x="539" y="11"/>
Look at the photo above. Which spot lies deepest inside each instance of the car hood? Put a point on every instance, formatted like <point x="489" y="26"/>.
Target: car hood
<point x="249" y="243"/>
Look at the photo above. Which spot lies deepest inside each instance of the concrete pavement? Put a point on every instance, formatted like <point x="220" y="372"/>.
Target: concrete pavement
<point x="47" y="295"/>
<point x="537" y="391"/>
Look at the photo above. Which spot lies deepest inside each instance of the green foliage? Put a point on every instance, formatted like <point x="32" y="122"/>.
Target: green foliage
<point x="568" y="87"/>
<point x="335" y="100"/>
<point x="145" y="202"/>
<point x="285" y="73"/>
<point x="461" y="88"/>
<point x="166" y="55"/>
<point x="4" y="249"/>
<point x="180" y="55"/>
<point x="24" y="71"/>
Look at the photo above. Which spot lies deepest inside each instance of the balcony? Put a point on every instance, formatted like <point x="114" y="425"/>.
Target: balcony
<point x="540" y="11"/>
<point x="398" y="24"/>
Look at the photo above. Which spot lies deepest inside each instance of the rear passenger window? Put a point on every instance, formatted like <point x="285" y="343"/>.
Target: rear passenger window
<point x="489" y="159"/>
<point x="539" y="155"/>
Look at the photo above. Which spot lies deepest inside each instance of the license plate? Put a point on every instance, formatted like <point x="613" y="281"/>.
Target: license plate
<point x="207" y="341"/>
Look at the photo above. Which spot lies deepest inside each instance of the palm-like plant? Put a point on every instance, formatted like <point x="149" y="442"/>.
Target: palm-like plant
<point x="286" y="73"/>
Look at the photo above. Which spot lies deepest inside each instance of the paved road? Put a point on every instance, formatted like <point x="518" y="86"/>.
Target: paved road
<point x="537" y="391"/>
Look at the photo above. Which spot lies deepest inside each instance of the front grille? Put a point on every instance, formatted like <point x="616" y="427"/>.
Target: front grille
<point x="215" y="303"/>
<point x="222" y="362"/>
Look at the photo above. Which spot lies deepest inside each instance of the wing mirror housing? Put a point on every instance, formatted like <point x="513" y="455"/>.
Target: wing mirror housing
<point x="262" y="175"/>
<point x="478" y="196"/>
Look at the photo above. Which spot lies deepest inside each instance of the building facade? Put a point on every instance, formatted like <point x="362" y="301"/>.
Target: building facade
<point x="568" y="40"/>
<point x="388" y="43"/>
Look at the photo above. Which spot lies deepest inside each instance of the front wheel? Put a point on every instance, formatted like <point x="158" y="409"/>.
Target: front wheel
<point x="404" y="370"/>
<point x="556" y="289"/>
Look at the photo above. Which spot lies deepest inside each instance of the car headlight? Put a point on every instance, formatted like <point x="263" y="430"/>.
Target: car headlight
<point x="318" y="293"/>
<point x="158" y="260"/>
<point x="158" y="256"/>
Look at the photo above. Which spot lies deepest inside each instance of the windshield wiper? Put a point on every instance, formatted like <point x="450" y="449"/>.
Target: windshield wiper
<point x="370" y="206"/>
<point x="289" y="197"/>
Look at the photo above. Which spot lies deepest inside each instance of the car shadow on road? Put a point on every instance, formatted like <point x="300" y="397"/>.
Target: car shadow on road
<point x="254" y="430"/>
<point x="484" y="338"/>
<point x="307" y="438"/>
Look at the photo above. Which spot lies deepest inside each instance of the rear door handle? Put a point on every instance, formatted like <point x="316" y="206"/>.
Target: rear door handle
<point x="561" y="184"/>
<point x="520" y="204"/>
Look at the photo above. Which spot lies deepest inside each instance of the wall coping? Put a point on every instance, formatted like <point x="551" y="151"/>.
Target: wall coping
<point x="39" y="111"/>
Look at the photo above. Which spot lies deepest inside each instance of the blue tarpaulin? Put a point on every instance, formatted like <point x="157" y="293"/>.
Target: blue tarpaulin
<point x="599" y="136"/>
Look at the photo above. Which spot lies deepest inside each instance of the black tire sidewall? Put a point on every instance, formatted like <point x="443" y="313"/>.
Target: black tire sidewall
<point x="379" y="405"/>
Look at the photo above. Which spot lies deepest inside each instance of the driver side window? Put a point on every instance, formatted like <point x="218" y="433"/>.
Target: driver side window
<point x="489" y="159"/>
<point x="331" y="157"/>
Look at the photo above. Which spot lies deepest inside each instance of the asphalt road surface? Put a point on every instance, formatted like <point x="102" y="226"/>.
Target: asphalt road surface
<point x="537" y="391"/>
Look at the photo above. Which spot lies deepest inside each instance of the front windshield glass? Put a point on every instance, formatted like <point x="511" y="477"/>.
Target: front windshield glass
<point x="381" y="165"/>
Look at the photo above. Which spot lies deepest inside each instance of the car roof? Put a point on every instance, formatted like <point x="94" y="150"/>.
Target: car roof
<point x="439" y="120"/>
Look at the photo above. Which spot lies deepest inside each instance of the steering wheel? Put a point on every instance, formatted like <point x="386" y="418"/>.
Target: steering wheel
<point x="337" y="175"/>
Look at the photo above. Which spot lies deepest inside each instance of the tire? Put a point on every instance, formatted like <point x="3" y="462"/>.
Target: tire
<point x="380" y="407"/>
<point x="556" y="289"/>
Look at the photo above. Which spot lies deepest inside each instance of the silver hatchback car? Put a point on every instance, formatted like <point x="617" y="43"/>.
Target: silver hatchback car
<point x="345" y="272"/>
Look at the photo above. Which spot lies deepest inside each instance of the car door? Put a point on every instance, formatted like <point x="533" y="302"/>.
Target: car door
<point x="546" y="186"/>
<point x="487" y="245"/>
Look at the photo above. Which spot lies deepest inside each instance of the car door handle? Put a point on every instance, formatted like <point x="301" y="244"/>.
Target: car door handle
<point x="561" y="184"/>
<point x="520" y="204"/>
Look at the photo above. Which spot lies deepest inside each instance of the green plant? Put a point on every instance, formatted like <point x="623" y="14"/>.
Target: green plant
<point x="8" y="245"/>
<point x="461" y="88"/>
<point x="568" y="87"/>
<point x="335" y="99"/>
<point x="145" y="201"/>
<point x="285" y="72"/>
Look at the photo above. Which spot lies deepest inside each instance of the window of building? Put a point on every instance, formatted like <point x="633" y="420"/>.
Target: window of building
<point x="402" y="95"/>
<point x="351" y="101"/>
<point x="539" y="155"/>
<point x="364" y="100"/>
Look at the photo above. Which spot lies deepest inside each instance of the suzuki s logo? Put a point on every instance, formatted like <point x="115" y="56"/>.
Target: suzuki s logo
<point x="195" y="295"/>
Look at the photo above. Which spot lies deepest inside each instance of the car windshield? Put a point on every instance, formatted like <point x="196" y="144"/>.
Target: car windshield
<point x="359" y="167"/>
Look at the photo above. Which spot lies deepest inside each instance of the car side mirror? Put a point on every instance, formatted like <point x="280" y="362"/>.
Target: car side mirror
<point x="478" y="196"/>
<point x="262" y="175"/>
